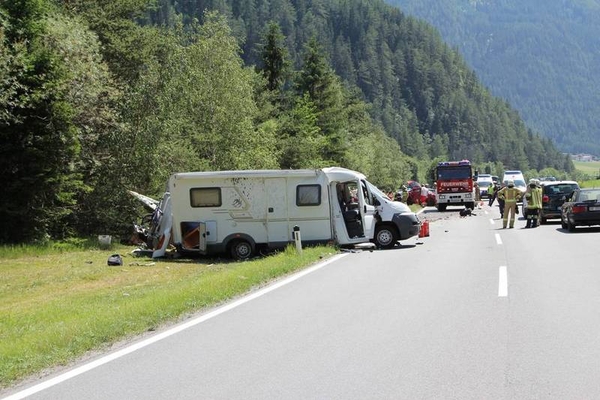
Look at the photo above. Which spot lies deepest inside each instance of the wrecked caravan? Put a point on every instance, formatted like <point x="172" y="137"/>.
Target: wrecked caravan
<point x="240" y="212"/>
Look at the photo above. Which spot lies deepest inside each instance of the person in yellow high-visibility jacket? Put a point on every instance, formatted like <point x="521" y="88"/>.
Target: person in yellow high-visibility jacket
<point x="491" y="192"/>
<point x="510" y="194"/>
<point x="534" y="203"/>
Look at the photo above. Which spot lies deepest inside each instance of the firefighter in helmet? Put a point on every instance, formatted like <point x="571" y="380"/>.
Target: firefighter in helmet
<point x="534" y="203"/>
<point x="510" y="194"/>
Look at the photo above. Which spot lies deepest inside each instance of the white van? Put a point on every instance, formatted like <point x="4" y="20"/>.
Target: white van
<point x="239" y="212"/>
<point x="484" y="181"/>
<point x="517" y="177"/>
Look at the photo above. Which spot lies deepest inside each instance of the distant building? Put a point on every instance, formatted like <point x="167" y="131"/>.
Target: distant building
<point x="583" y="157"/>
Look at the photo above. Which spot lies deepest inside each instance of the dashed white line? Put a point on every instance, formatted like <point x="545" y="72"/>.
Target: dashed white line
<point x="498" y="238"/>
<point x="502" y="282"/>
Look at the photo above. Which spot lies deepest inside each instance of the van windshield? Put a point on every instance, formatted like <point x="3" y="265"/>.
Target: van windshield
<point x="517" y="182"/>
<point x="375" y="190"/>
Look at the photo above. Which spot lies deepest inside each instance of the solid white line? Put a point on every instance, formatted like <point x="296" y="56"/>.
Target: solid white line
<point x="498" y="239"/>
<point x="502" y="282"/>
<point x="137" y="346"/>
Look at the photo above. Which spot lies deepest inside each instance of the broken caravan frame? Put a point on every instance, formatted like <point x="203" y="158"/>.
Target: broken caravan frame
<point x="238" y="212"/>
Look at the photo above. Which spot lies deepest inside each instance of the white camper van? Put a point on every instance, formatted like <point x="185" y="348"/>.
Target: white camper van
<point x="238" y="212"/>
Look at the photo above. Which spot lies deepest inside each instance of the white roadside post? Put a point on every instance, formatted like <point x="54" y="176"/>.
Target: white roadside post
<point x="297" y="239"/>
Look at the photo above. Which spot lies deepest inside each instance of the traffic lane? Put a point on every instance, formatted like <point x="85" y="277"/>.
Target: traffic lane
<point x="553" y="320"/>
<point x="432" y="214"/>
<point x="373" y="325"/>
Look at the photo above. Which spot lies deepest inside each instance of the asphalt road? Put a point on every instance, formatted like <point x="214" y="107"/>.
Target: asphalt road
<point x="471" y="312"/>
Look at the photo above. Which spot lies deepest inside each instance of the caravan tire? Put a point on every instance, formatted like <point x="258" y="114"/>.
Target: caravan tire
<point x="240" y="250"/>
<point x="385" y="236"/>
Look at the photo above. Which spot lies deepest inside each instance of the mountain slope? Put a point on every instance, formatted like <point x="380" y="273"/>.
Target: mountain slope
<point x="420" y="90"/>
<point x="543" y="56"/>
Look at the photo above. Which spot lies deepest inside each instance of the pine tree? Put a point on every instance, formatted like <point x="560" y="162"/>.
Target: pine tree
<point x="38" y="143"/>
<point x="274" y="57"/>
<point x="318" y="80"/>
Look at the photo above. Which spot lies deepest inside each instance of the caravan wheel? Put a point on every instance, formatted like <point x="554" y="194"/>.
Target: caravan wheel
<point x="241" y="250"/>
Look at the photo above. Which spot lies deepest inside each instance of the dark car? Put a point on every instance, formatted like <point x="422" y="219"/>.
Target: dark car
<point x="582" y="208"/>
<point x="554" y="194"/>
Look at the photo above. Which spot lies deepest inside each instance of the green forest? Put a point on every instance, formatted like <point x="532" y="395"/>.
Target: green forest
<point x="101" y="97"/>
<point x="541" y="55"/>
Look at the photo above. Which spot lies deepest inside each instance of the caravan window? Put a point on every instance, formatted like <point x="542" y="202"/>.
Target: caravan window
<point x="205" y="197"/>
<point x="308" y="195"/>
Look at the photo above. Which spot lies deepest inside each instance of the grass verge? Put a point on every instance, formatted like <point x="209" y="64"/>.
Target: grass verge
<point x="56" y="305"/>
<point x="591" y="168"/>
<point x="590" y="184"/>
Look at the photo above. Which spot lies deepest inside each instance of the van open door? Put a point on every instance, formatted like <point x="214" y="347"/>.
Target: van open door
<point x="348" y="211"/>
<point x="368" y="210"/>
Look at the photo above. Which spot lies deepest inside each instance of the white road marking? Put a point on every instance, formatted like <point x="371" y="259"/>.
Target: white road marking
<point x="492" y="221"/>
<point x="498" y="239"/>
<point x="502" y="282"/>
<point x="137" y="346"/>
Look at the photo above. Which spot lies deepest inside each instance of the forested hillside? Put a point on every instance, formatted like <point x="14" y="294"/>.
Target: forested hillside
<point x="541" y="55"/>
<point x="97" y="98"/>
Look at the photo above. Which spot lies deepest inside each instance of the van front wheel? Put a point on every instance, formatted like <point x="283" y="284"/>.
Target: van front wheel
<point x="241" y="250"/>
<point x="385" y="236"/>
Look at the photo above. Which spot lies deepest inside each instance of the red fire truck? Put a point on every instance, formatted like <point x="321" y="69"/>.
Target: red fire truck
<point x="454" y="184"/>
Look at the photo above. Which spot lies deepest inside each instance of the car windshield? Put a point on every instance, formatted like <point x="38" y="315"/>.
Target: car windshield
<point x="563" y="188"/>
<point x="589" y="195"/>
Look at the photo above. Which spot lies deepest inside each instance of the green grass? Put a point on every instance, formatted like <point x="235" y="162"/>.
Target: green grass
<point x="57" y="304"/>
<point x="590" y="184"/>
<point x="20" y="250"/>
<point x="591" y="168"/>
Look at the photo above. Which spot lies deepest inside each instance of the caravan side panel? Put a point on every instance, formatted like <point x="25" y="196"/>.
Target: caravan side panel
<point x="309" y="209"/>
<point x="261" y="207"/>
<point x="227" y="206"/>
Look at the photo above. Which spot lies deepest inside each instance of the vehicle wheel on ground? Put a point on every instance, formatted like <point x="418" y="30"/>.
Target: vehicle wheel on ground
<point x="240" y="250"/>
<point x="563" y="224"/>
<point x="385" y="236"/>
<point x="570" y="226"/>
<point x="441" y="207"/>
